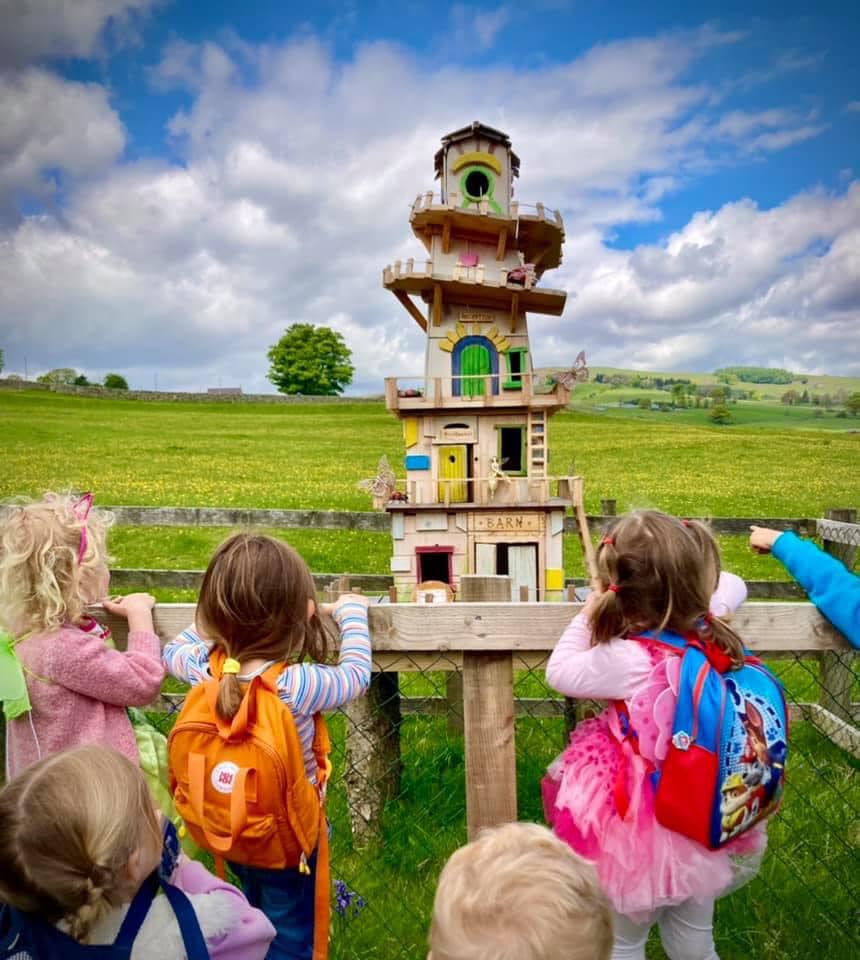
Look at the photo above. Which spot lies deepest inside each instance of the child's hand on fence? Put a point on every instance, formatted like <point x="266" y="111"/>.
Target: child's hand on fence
<point x="762" y="539"/>
<point x="136" y="608"/>
<point x="342" y="600"/>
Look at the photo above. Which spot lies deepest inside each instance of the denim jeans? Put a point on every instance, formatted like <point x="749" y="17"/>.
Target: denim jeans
<point x="287" y="899"/>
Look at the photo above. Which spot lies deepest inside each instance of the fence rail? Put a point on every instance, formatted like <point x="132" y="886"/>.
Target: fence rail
<point x="381" y="522"/>
<point x="375" y="583"/>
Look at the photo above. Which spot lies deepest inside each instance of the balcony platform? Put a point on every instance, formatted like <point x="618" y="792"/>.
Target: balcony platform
<point x="485" y="290"/>
<point x="533" y="229"/>
<point x="437" y="393"/>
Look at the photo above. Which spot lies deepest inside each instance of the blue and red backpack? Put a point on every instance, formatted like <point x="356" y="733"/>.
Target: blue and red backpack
<point x="725" y="767"/>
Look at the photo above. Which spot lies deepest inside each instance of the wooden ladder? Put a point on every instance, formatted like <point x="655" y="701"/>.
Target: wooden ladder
<point x="537" y="444"/>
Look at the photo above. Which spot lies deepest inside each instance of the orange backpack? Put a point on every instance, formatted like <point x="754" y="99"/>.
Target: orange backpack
<point x="241" y="785"/>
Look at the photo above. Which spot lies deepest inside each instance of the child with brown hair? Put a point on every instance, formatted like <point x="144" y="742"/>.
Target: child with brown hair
<point x="61" y="682"/>
<point x="80" y="847"/>
<point x="519" y="893"/>
<point x="258" y="631"/>
<point x="656" y="574"/>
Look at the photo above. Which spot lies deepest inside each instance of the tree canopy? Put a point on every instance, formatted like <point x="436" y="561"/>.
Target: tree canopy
<point x="64" y="375"/>
<point x="115" y="381"/>
<point x="756" y="374"/>
<point x="314" y="361"/>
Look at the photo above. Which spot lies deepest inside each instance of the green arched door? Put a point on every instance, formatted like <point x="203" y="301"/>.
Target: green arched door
<point x="475" y="365"/>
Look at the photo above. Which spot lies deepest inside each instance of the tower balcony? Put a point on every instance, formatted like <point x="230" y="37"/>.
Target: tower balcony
<point x="535" y="230"/>
<point x="481" y="285"/>
<point x="412" y="395"/>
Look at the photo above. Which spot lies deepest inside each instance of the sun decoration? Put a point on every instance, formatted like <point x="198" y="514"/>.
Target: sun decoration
<point x="447" y="343"/>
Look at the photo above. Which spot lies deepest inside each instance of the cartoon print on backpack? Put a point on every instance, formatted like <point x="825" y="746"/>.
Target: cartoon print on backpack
<point x="752" y="788"/>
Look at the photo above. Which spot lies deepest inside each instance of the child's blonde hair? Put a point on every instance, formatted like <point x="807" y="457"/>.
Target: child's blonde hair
<point x="44" y="572"/>
<point x="254" y="604"/>
<point x="69" y="827"/>
<point x="519" y="893"/>
<point x="658" y="573"/>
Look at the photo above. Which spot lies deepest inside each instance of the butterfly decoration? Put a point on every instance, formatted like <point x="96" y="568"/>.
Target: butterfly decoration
<point x="576" y="374"/>
<point x="383" y="484"/>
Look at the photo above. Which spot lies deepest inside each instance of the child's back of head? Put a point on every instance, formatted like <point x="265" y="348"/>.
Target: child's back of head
<point x="257" y="602"/>
<point x="52" y="561"/>
<point x="657" y="572"/>
<point x="76" y="830"/>
<point x="519" y="893"/>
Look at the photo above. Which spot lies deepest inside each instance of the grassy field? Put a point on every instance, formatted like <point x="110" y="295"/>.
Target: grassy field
<point x="804" y="901"/>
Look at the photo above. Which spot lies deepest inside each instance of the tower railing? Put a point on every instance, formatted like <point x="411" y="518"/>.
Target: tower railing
<point x="453" y="201"/>
<point x="481" y="391"/>
<point x="488" y="274"/>
<point x="505" y="490"/>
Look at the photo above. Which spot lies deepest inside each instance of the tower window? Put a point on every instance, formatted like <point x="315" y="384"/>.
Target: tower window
<point x="511" y="444"/>
<point x="477" y="184"/>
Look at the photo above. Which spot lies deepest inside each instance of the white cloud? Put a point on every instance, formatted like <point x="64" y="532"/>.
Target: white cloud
<point x="294" y="191"/>
<point x="475" y="28"/>
<point x="48" y="125"/>
<point x="46" y="29"/>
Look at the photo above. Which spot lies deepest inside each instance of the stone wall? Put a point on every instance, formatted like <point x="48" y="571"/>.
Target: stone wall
<point x="165" y="396"/>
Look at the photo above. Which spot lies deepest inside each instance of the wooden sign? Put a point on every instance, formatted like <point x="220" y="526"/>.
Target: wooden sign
<point x="478" y="316"/>
<point x="508" y="522"/>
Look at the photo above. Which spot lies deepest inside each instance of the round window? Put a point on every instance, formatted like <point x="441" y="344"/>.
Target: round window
<point x="477" y="184"/>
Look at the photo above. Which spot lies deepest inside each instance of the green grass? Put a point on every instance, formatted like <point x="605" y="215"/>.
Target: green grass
<point x="311" y="456"/>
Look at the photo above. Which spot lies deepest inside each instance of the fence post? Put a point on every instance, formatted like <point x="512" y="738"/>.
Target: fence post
<point x="488" y="717"/>
<point x="373" y="762"/>
<point x="837" y="674"/>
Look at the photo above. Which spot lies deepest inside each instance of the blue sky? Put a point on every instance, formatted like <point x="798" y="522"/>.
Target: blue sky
<point x="179" y="181"/>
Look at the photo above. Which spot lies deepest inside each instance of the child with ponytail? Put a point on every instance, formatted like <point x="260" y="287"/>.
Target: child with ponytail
<point x="654" y="573"/>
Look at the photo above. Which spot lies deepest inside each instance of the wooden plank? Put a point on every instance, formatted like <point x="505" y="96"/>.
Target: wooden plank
<point x="411" y="309"/>
<point x="515" y="313"/>
<point x="437" y="304"/>
<point x="502" y="244"/>
<point x="239" y="517"/>
<point x="522" y="628"/>
<point x="142" y="579"/>
<point x="722" y="525"/>
<point x="446" y="235"/>
<point x="839" y="731"/>
<point x="491" y="762"/>
<point x="839" y="531"/>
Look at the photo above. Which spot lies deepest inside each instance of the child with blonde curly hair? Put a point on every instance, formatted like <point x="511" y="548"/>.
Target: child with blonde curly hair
<point x="82" y="855"/>
<point x="61" y="682"/>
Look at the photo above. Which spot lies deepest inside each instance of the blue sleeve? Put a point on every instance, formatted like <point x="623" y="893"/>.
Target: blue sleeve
<point x="833" y="588"/>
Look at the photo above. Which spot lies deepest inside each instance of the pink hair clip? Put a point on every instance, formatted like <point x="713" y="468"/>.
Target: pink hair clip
<point x="608" y="542"/>
<point x="613" y="588"/>
<point x="81" y="510"/>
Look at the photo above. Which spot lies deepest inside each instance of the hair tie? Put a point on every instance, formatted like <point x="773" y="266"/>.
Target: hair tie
<point x="608" y="542"/>
<point x="613" y="588"/>
<point x="686" y="523"/>
<point x="231" y="666"/>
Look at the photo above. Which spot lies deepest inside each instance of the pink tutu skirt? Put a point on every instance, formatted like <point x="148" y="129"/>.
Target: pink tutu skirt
<point x="642" y="866"/>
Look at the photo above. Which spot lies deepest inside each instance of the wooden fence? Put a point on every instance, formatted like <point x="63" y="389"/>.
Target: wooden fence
<point x="487" y="642"/>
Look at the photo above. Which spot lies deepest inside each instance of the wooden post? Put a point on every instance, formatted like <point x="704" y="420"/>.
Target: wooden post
<point x="608" y="508"/>
<point x="373" y="762"/>
<point x="488" y="718"/>
<point x="837" y="669"/>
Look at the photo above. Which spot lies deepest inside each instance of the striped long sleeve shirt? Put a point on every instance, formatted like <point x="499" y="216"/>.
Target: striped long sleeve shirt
<point x="306" y="688"/>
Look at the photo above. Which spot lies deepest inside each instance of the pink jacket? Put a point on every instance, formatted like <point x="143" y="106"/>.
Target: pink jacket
<point x="79" y="689"/>
<point x="233" y="929"/>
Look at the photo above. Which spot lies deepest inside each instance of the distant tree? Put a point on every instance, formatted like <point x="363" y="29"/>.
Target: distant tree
<point x="310" y="360"/>
<point x="720" y="394"/>
<point x="15" y="377"/>
<point x="804" y="397"/>
<point x="81" y="381"/>
<point x="789" y="398"/>
<point x="59" y="375"/>
<point x="852" y="404"/>
<point x="644" y="403"/>
<point x="720" y="414"/>
<point x="757" y="374"/>
<point x="114" y="381"/>
<point x="1" y="361"/>
<point x="599" y="378"/>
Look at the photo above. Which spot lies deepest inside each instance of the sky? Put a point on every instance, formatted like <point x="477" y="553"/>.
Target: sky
<point x="181" y="181"/>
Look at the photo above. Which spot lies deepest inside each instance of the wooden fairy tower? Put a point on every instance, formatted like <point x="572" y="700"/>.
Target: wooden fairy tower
<point x="478" y="497"/>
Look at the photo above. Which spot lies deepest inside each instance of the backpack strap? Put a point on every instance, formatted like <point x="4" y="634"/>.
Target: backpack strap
<point x="189" y="925"/>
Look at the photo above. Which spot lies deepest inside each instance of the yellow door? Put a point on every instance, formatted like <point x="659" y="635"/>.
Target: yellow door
<point x="452" y="474"/>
